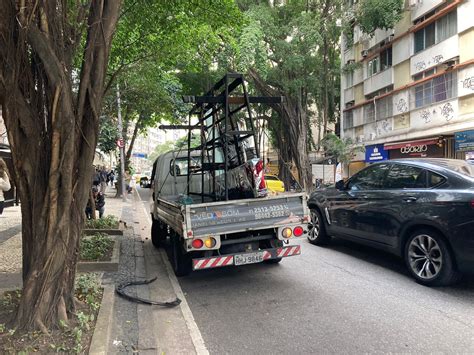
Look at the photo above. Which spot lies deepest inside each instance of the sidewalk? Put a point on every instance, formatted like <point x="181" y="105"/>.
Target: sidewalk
<point x="134" y="327"/>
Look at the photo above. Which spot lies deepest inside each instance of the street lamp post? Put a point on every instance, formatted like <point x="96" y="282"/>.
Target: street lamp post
<point x="121" y="146"/>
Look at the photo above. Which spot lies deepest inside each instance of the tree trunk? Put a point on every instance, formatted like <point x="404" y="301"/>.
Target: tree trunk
<point x="128" y="155"/>
<point x="294" y="128"/>
<point x="52" y="130"/>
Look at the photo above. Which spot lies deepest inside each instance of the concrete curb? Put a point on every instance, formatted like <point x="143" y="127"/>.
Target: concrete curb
<point x="96" y="266"/>
<point x="103" y="231"/>
<point x="103" y="326"/>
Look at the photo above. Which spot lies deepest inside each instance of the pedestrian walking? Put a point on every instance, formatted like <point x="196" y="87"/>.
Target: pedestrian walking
<point x="4" y="183"/>
<point x="103" y="179"/>
<point x="111" y="178"/>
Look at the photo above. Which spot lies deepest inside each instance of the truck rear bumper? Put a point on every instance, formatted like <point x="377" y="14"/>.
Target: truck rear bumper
<point x="252" y="257"/>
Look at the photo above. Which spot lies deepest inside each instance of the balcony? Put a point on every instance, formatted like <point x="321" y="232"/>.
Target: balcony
<point x="434" y="55"/>
<point x="378" y="81"/>
<point x="422" y="7"/>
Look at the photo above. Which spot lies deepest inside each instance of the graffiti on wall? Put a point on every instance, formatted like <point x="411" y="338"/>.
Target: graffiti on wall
<point x="468" y="83"/>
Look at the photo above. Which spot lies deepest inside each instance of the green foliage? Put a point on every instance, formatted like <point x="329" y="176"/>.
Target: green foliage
<point x="383" y="14"/>
<point x="341" y="149"/>
<point x="350" y="67"/>
<point x="88" y="289"/>
<point x="107" y="222"/>
<point x="108" y="134"/>
<point x="95" y="247"/>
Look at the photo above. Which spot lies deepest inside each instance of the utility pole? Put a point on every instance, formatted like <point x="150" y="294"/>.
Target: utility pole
<point x="121" y="146"/>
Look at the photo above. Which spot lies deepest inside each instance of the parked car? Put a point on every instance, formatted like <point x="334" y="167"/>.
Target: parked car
<point x="145" y="180"/>
<point x="419" y="209"/>
<point x="274" y="183"/>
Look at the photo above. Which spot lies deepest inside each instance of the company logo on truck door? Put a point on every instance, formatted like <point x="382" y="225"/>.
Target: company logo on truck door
<point x="216" y="214"/>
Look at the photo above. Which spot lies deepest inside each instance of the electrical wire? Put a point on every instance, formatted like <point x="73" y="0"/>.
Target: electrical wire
<point x="120" y="289"/>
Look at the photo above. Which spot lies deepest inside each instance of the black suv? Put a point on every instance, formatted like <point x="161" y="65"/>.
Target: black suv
<point x="420" y="209"/>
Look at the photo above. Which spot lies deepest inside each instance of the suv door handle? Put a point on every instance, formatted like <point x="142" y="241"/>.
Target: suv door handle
<point x="409" y="199"/>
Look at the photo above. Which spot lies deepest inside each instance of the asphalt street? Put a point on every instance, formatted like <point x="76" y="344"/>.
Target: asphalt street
<point x="343" y="298"/>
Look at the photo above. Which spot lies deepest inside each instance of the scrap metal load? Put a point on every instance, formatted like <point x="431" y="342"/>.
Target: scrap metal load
<point x="229" y="156"/>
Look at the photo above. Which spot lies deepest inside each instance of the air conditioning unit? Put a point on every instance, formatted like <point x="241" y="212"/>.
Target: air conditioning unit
<point x="364" y="53"/>
<point x="360" y="139"/>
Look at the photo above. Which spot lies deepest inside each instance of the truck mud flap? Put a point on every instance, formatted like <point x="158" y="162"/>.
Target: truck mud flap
<point x="252" y="257"/>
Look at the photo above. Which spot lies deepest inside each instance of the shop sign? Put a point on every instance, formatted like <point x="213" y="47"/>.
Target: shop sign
<point x="428" y="148"/>
<point x="464" y="141"/>
<point x="375" y="153"/>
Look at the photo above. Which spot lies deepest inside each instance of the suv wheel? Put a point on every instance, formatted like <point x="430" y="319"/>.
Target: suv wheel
<point x="429" y="260"/>
<point x="317" y="229"/>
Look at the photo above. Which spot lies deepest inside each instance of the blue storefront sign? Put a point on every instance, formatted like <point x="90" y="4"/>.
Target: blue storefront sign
<point x="139" y="155"/>
<point x="464" y="141"/>
<point x="375" y="153"/>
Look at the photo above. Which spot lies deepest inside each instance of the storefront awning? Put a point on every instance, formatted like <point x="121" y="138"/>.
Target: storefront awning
<point x="399" y="145"/>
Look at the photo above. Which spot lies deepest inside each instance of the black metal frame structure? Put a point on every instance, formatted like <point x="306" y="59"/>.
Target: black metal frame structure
<point x="222" y="105"/>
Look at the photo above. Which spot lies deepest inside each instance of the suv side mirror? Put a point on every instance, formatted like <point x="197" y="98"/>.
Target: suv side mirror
<point x="340" y="185"/>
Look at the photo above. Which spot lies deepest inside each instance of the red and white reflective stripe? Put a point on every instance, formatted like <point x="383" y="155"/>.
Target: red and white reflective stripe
<point x="199" y="264"/>
<point x="266" y="255"/>
<point x="288" y="251"/>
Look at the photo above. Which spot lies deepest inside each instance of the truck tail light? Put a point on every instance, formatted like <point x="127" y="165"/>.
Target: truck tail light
<point x="286" y="232"/>
<point x="210" y="242"/>
<point x="197" y="243"/>
<point x="472" y="203"/>
<point x="298" y="231"/>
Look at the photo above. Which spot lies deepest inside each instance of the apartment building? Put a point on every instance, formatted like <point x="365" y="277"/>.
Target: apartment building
<point x="410" y="92"/>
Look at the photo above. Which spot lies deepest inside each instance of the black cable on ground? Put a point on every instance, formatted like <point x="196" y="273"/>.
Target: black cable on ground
<point x="120" y="289"/>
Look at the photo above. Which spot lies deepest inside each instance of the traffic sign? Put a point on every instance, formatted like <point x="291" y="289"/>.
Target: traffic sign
<point x="120" y="143"/>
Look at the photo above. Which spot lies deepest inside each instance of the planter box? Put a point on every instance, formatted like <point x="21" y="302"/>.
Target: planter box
<point x="95" y="266"/>
<point x="104" y="231"/>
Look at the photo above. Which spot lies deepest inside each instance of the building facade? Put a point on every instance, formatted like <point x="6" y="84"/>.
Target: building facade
<point x="409" y="91"/>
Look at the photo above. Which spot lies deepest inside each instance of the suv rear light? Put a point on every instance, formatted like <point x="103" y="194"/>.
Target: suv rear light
<point x="298" y="231"/>
<point x="472" y="203"/>
<point x="197" y="243"/>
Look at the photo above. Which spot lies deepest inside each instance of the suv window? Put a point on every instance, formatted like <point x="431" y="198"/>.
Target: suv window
<point x="369" y="178"/>
<point x="405" y="177"/>
<point x="434" y="179"/>
<point x="179" y="166"/>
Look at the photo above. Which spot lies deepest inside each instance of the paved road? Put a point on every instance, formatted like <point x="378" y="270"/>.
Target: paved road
<point x="340" y="299"/>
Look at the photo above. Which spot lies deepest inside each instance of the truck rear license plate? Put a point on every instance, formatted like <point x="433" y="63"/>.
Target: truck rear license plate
<point x="250" y="258"/>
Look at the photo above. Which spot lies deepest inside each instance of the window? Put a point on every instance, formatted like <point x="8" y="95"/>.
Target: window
<point x="405" y="177"/>
<point x="272" y="178"/>
<point x="369" y="113"/>
<point x="386" y="59"/>
<point x="369" y="178"/>
<point x="384" y="108"/>
<point x="434" y="179"/>
<point x="435" y="90"/>
<point x="373" y="67"/>
<point x="349" y="79"/>
<point x="179" y="166"/>
<point x="436" y="32"/>
<point x="348" y="119"/>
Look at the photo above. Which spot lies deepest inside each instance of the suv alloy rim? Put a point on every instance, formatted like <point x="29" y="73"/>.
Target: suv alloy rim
<point x="425" y="256"/>
<point x="313" y="226"/>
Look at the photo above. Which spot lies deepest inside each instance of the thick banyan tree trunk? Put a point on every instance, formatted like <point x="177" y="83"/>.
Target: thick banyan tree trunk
<point x="294" y="129"/>
<point x="52" y="130"/>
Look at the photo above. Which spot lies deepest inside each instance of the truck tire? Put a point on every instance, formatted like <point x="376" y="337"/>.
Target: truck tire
<point x="158" y="233"/>
<point x="180" y="261"/>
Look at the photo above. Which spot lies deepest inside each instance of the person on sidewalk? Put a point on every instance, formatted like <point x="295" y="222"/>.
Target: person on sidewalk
<point x="103" y="179"/>
<point x="111" y="178"/>
<point x="4" y="183"/>
<point x="99" y="203"/>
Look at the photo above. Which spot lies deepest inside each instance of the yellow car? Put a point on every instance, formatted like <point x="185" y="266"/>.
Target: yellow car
<point x="274" y="183"/>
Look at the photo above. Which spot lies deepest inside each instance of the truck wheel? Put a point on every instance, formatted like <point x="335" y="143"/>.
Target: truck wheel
<point x="273" y="261"/>
<point x="181" y="262"/>
<point x="158" y="233"/>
